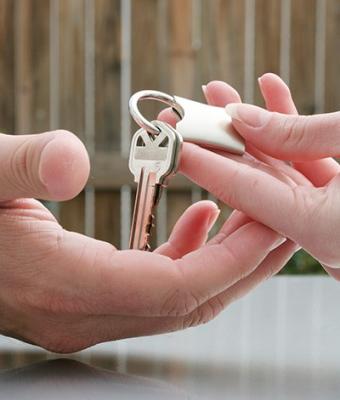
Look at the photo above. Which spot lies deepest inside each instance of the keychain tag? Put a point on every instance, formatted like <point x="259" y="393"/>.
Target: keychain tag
<point x="199" y="123"/>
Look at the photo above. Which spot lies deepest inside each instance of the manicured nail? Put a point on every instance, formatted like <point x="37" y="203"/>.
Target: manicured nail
<point x="206" y="94"/>
<point x="253" y="116"/>
<point x="213" y="219"/>
<point x="278" y="243"/>
<point x="259" y="80"/>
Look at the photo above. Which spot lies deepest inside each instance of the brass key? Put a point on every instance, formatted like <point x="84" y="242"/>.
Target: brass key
<point x="153" y="160"/>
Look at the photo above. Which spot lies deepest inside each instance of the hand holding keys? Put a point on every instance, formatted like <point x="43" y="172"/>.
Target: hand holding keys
<point x="155" y="151"/>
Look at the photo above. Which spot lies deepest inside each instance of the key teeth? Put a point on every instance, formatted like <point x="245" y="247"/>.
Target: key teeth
<point x="148" y="234"/>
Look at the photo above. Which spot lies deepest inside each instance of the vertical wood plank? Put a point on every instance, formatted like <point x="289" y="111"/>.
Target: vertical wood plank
<point x="72" y="66"/>
<point x="332" y="89"/>
<point x="178" y="201"/>
<point x="302" y="68"/>
<point x="222" y="54"/>
<point x="31" y="66"/>
<point x="71" y="215"/>
<point x="23" y="66"/>
<point x="7" y="66"/>
<point x="108" y="217"/>
<point x="41" y="65"/>
<point x="267" y="45"/>
<point x="108" y="70"/>
<point x="182" y="54"/>
<point x="108" y="109"/>
<point x="144" y="58"/>
<point x="72" y="92"/>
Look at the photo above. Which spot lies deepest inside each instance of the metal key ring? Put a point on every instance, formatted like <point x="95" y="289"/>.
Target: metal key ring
<point x="152" y="95"/>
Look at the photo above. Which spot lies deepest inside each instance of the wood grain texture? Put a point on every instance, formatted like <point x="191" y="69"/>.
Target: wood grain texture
<point x="221" y="54"/>
<point x="178" y="202"/>
<point x="267" y="41"/>
<point x="7" y="97"/>
<point x="181" y="53"/>
<point x="71" y="214"/>
<point x="145" y="67"/>
<point x="332" y="89"/>
<point x="302" y="67"/>
<point x="108" y="216"/>
<point x="31" y="69"/>
<point x="72" y="66"/>
<point x="108" y="71"/>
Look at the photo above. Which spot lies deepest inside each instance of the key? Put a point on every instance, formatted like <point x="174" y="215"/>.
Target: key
<point x="155" y="151"/>
<point x="153" y="161"/>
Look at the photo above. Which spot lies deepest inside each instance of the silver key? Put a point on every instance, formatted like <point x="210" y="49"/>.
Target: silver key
<point x="153" y="160"/>
<point x="152" y="163"/>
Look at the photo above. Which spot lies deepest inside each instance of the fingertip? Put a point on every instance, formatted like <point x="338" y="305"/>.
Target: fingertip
<point x="220" y="93"/>
<point x="271" y="81"/>
<point x="168" y="115"/>
<point x="276" y="94"/>
<point x="203" y="210"/>
<point x="64" y="166"/>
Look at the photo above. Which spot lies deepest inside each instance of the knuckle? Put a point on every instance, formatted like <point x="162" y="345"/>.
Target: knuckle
<point x="179" y="300"/>
<point x="239" y="270"/>
<point x="293" y="131"/>
<point x="310" y="206"/>
<point x="178" y="303"/>
<point x="204" y="313"/>
<point x="305" y="202"/>
<point x="232" y="197"/>
<point x="18" y="169"/>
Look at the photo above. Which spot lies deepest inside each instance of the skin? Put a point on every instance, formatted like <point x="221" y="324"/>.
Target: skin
<point x="298" y="199"/>
<point x="64" y="291"/>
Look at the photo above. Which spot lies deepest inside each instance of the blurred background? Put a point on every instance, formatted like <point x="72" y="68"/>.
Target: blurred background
<point x="73" y="64"/>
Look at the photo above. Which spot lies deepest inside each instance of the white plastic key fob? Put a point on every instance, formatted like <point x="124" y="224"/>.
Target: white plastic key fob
<point x="208" y="126"/>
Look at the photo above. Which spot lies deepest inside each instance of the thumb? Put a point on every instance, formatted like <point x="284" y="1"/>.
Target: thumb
<point x="49" y="166"/>
<point x="288" y="137"/>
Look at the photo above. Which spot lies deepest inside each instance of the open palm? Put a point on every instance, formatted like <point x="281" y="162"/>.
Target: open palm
<point x="65" y="291"/>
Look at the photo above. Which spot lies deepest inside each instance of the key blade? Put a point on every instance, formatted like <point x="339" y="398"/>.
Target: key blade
<point x="142" y="219"/>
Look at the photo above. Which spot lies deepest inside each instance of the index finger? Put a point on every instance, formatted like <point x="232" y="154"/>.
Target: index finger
<point x="258" y="194"/>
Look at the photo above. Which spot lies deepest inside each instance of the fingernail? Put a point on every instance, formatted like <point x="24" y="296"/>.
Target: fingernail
<point x="253" y="116"/>
<point x="278" y="243"/>
<point x="213" y="219"/>
<point x="206" y="95"/>
<point x="259" y="80"/>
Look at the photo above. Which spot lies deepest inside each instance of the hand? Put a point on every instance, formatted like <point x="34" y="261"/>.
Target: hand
<point x="65" y="291"/>
<point x="305" y="211"/>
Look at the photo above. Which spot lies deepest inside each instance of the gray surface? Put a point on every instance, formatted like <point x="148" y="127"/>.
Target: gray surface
<point x="70" y="379"/>
<point x="280" y="342"/>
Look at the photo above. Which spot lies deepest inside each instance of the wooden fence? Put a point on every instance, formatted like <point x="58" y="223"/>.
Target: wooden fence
<point x="73" y="64"/>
